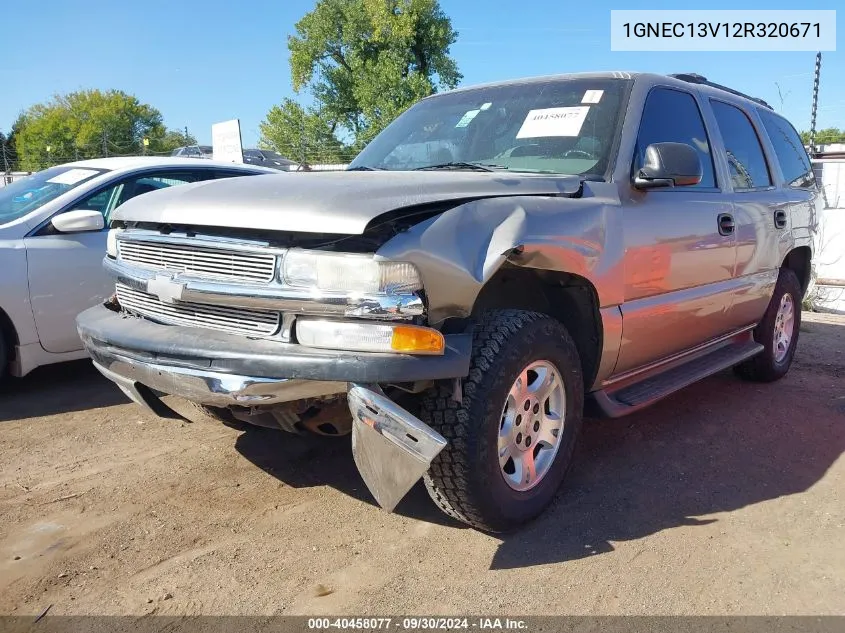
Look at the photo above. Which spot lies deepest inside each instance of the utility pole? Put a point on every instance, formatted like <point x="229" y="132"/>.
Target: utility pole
<point x="105" y="145"/>
<point x="815" y="104"/>
<point x="186" y="136"/>
<point x="302" y="140"/>
<point x="5" y="158"/>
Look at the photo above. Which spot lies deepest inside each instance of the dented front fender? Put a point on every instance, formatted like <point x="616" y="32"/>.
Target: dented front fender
<point x="458" y="251"/>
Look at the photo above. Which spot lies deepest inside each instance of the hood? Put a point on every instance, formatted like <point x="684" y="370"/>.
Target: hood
<point x="328" y="202"/>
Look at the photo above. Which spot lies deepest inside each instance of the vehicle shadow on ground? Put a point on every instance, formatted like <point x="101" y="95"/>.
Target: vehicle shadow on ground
<point x="57" y="389"/>
<point x="305" y="461"/>
<point x="717" y="446"/>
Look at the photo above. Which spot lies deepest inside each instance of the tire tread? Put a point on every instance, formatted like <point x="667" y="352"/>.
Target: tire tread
<point x="447" y="480"/>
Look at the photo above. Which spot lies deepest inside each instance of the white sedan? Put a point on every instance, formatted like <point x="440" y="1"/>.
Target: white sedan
<point x="53" y="230"/>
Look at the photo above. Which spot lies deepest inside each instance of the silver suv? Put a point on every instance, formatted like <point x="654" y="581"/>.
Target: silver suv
<point x="498" y="262"/>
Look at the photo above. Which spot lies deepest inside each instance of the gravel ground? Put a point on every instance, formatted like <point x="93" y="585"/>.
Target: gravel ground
<point x="724" y="499"/>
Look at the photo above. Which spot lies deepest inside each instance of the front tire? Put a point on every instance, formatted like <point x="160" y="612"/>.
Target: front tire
<point x="777" y="332"/>
<point x="512" y="436"/>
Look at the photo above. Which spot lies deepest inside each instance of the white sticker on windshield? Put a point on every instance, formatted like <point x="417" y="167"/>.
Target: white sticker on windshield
<point x="592" y="96"/>
<point x="469" y="116"/>
<point x="485" y="106"/>
<point x="553" y="122"/>
<point x="73" y="176"/>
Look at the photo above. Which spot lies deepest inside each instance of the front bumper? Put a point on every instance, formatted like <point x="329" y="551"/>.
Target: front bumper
<point x="222" y="369"/>
<point x="391" y="447"/>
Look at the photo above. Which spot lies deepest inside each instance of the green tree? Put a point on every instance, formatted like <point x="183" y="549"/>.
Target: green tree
<point x="5" y="150"/>
<point x="825" y="136"/>
<point x="88" y="124"/>
<point x="173" y="139"/>
<point x="8" y="153"/>
<point x="301" y="135"/>
<point x="364" y="62"/>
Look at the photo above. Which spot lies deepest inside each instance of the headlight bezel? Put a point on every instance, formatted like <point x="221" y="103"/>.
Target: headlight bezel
<point x="111" y="242"/>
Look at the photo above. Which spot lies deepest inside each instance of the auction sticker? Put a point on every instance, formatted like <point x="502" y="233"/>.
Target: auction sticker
<point x="73" y="176"/>
<point x="467" y="118"/>
<point x="553" y="122"/>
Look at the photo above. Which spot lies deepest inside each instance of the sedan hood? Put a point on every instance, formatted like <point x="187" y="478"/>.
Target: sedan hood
<point x="328" y="202"/>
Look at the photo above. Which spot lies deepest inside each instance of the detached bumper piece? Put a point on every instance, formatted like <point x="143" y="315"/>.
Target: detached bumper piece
<point x="392" y="448"/>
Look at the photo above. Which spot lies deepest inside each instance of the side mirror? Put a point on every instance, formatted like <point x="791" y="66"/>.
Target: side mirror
<point x="78" y="221"/>
<point x="669" y="165"/>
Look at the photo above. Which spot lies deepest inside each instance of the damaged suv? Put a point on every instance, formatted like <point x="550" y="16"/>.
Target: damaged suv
<point x="499" y="262"/>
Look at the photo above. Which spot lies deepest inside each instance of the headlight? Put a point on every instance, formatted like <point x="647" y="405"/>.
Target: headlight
<point x="347" y="272"/>
<point x="111" y="243"/>
<point x="369" y="337"/>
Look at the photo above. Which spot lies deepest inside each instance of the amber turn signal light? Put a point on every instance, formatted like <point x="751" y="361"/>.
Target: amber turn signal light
<point x="412" y="339"/>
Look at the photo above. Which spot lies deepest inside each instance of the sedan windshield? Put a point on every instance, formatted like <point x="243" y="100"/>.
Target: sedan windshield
<point x="565" y="126"/>
<point x="26" y="195"/>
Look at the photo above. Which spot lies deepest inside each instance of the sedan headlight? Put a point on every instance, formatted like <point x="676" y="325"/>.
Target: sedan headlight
<point x="347" y="272"/>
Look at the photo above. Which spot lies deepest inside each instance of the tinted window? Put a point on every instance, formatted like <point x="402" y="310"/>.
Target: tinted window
<point x="793" y="159"/>
<point x="745" y="155"/>
<point x="140" y="185"/>
<point x="234" y="174"/>
<point x="99" y="201"/>
<point x="672" y="116"/>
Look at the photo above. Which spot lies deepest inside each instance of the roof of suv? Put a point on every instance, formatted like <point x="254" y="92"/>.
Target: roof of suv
<point x="679" y="79"/>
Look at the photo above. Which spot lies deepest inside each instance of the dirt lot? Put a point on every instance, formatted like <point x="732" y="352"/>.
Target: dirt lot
<point x="725" y="499"/>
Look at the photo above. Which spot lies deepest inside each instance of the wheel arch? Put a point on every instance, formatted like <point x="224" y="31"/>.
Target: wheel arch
<point x="8" y="335"/>
<point x="799" y="260"/>
<point x="569" y="298"/>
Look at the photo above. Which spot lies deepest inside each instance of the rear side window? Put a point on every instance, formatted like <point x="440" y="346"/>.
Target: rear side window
<point x="746" y="160"/>
<point x="672" y="116"/>
<point x="234" y="173"/>
<point x="793" y="159"/>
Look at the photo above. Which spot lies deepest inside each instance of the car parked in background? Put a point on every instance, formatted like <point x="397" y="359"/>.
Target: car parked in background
<point x="268" y="158"/>
<point x="194" y="151"/>
<point x="53" y="232"/>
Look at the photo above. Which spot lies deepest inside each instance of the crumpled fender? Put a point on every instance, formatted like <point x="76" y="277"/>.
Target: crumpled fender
<point x="458" y="251"/>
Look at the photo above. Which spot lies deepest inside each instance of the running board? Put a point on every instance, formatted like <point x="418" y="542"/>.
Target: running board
<point x="636" y="396"/>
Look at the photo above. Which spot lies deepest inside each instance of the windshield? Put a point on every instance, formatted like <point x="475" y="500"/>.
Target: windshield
<point x="26" y="195"/>
<point x="565" y="126"/>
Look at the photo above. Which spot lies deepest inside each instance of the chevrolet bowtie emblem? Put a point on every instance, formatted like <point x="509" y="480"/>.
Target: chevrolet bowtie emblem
<point x="167" y="290"/>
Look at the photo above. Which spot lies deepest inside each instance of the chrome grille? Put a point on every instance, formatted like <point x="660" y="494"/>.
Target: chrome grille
<point x="200" y="261"/>
<point x="238" y="320"/>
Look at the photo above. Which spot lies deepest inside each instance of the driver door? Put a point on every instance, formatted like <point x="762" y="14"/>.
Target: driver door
<point x="679" y="279"/>
<point x="65" y="270"/>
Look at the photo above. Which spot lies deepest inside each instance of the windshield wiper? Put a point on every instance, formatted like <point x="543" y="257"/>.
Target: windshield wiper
<point x="366" y="168"/>
<point x="463" y="165"/>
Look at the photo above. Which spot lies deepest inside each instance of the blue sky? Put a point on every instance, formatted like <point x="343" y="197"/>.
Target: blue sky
<point x="201" y="61"/>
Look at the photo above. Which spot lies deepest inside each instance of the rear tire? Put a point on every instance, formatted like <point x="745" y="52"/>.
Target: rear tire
<point x="470" y="480"/>
<point x="777" y="332"/>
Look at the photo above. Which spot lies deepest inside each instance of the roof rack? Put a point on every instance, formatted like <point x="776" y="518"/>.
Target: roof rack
<point x="695" y="78"/>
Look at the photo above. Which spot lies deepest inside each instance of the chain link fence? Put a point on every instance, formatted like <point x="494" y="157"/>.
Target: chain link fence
<point x="306" y="158"/>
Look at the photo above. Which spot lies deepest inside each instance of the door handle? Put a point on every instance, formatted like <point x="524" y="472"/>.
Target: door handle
<point x="780" y="219"/>
<point x="726" y="224"/>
